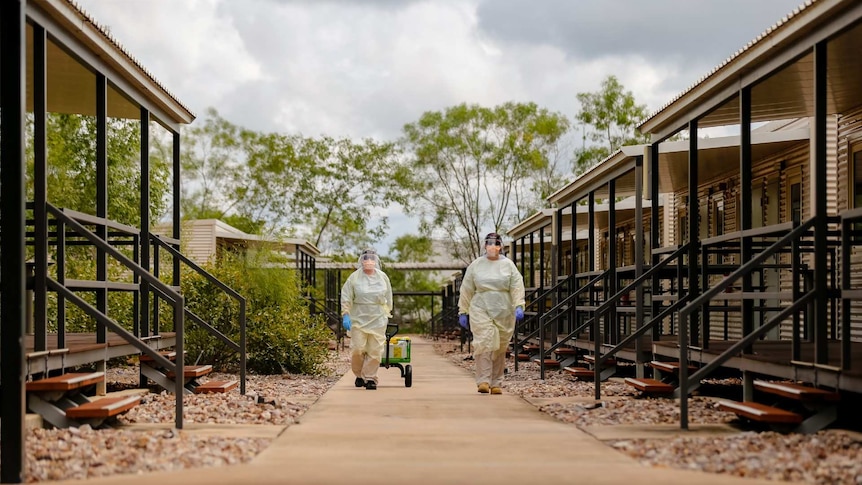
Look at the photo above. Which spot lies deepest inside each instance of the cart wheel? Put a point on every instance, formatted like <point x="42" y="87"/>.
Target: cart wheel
<point x="408" y="376"/>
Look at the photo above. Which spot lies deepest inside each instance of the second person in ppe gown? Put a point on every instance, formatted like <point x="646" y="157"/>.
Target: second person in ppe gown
<point x="366" y="306"/>
<point x="492" y="295"/>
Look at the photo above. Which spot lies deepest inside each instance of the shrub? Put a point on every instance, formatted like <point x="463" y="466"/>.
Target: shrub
<point x="281" y="335"/>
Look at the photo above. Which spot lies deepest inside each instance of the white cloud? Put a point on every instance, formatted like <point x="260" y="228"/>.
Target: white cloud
<point x="364" y="69"/>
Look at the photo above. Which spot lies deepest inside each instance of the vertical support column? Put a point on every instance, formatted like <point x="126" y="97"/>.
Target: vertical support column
<point x="176" y="215"/>
<point x="745" y="221"/>
<point x="639" y="265"/>
<point x="557" y="245"/>
<point x="654" y="234"/>
<point x="745" y="251"/>
<point x="40" y="190"/>
<point x="591" y="230"/>
<point x="595" y="330"/>
<point x="611" y="324"/>
<point x="532" y="260"/>
<point x="591" y="252"/>
<point x="821" y="298"/>
<point x="143" y="327"/>
<point x="13" y="48"/>
<point x="101" y="197"/>
<point x="693" y="241"/>
<point x="541" y="284"/>
<point x="574" y="242"/>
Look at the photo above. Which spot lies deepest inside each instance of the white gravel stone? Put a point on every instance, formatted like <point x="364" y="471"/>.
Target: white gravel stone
<point x="828" y="457"/>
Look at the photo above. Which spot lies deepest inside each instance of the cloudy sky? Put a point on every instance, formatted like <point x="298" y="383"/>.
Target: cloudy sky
<point x="365" y="68"/>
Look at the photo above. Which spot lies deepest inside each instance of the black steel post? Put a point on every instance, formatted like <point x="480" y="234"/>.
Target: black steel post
<point x="821" y="303"/>
<point x="745" y="214"/>
<point x="13" y="48"/>
<point x="101" y="198"/>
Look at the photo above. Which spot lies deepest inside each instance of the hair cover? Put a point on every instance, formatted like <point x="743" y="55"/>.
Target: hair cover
<point x="369" y="254"/>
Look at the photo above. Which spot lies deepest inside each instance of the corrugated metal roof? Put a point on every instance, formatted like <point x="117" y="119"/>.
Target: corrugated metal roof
<point x="763" y="37"/>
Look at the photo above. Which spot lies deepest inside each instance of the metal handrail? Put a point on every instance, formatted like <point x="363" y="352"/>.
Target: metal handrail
<point x="540" y="298"/>
<point x="559" y="306"/>
<point x="745" y="269"/>
<point x="689" y="383"/>
<point x="175" y="299"/>
<point x="609" y="303"/>
<point x="556" y="309"/>
<point x="643" y="329"/>
<point x="239" y="347"/>
<point x="694" y="379"/>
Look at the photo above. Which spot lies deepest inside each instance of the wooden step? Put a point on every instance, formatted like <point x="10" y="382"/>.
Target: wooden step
<point x="566" y="351"/>
<point x="760" y="412"/>
<point x="548" y="362"/>
<point x="591" y="359"/>
<point x="669" y="367"/>
<point x="523" y="357"/>
<point x="530" y="347"/>
<point x="193" y="371"/>
<point x="103" y="408"/>
<point x="66" y="382"/>
<point x="216" y="386"/>
<point x="649" y="386"/>
<point x="170" y="355"/>
<point x="799" y="392"/>
<point x="580" y="372"/>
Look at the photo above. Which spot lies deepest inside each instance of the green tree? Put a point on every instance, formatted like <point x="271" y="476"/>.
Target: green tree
<point x="210" y="159"/>
<point x="71" y="151"/>
<point x="71" y="160"/>
<point x="344" y="188"/>
<point x="477" y="168"/>
<point x="612" y="115"/>
<point x="413" y="311"/>
<point x="332" y="192"/>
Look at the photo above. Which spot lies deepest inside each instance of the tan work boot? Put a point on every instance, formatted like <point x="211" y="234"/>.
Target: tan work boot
<point x="496" y="390"/>
<point x="483" y="388"/>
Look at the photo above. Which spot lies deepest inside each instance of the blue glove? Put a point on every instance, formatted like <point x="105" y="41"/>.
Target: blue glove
<point x="346" y="322"/>
<point x="462" y="320"/>
<point x="519" y="313"/>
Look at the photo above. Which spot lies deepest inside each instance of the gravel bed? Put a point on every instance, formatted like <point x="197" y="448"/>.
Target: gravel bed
<point x="827" y="457"/>
<point x="77" y="453"/>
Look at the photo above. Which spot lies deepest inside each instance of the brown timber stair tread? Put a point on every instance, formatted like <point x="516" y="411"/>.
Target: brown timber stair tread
<point x="650" y="386"/>
<point x="66" y="382"/>
<point x="523" y="357"/>
<point x="760" y="412"/>
<point x="170" y="355"/>
<point x="798" y="392"/>
<point x="580" y="372"/>
<point x="666" y="366"/>
<point x="566" y="351"/>
<point x="103" y="408"/>
<point x="530" y="347"/>
<point x="548" y="362"/>
<point x="591" y="359"/>
<point x="216" y="386"/>
<point x="193" y="371"/>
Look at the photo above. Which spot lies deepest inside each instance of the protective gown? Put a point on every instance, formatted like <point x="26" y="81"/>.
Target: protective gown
<point x="490" y="291"/>
<point x="368" y="301"/>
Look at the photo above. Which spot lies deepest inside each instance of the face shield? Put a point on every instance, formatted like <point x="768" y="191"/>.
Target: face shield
<point x="369" y="259"/>
<point x="493" y="244"/>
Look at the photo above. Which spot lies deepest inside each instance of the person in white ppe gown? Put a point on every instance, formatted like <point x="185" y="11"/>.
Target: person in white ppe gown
<point x="492" y="295"/>
<point x="366" y="306"/>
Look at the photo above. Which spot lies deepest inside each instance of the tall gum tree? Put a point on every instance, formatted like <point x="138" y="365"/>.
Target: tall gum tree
<point x="612" y="115"/>
<point x="478" y="168"/>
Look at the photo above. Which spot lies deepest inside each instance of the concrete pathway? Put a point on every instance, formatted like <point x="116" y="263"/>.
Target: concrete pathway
<point x="440" y="431"/>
